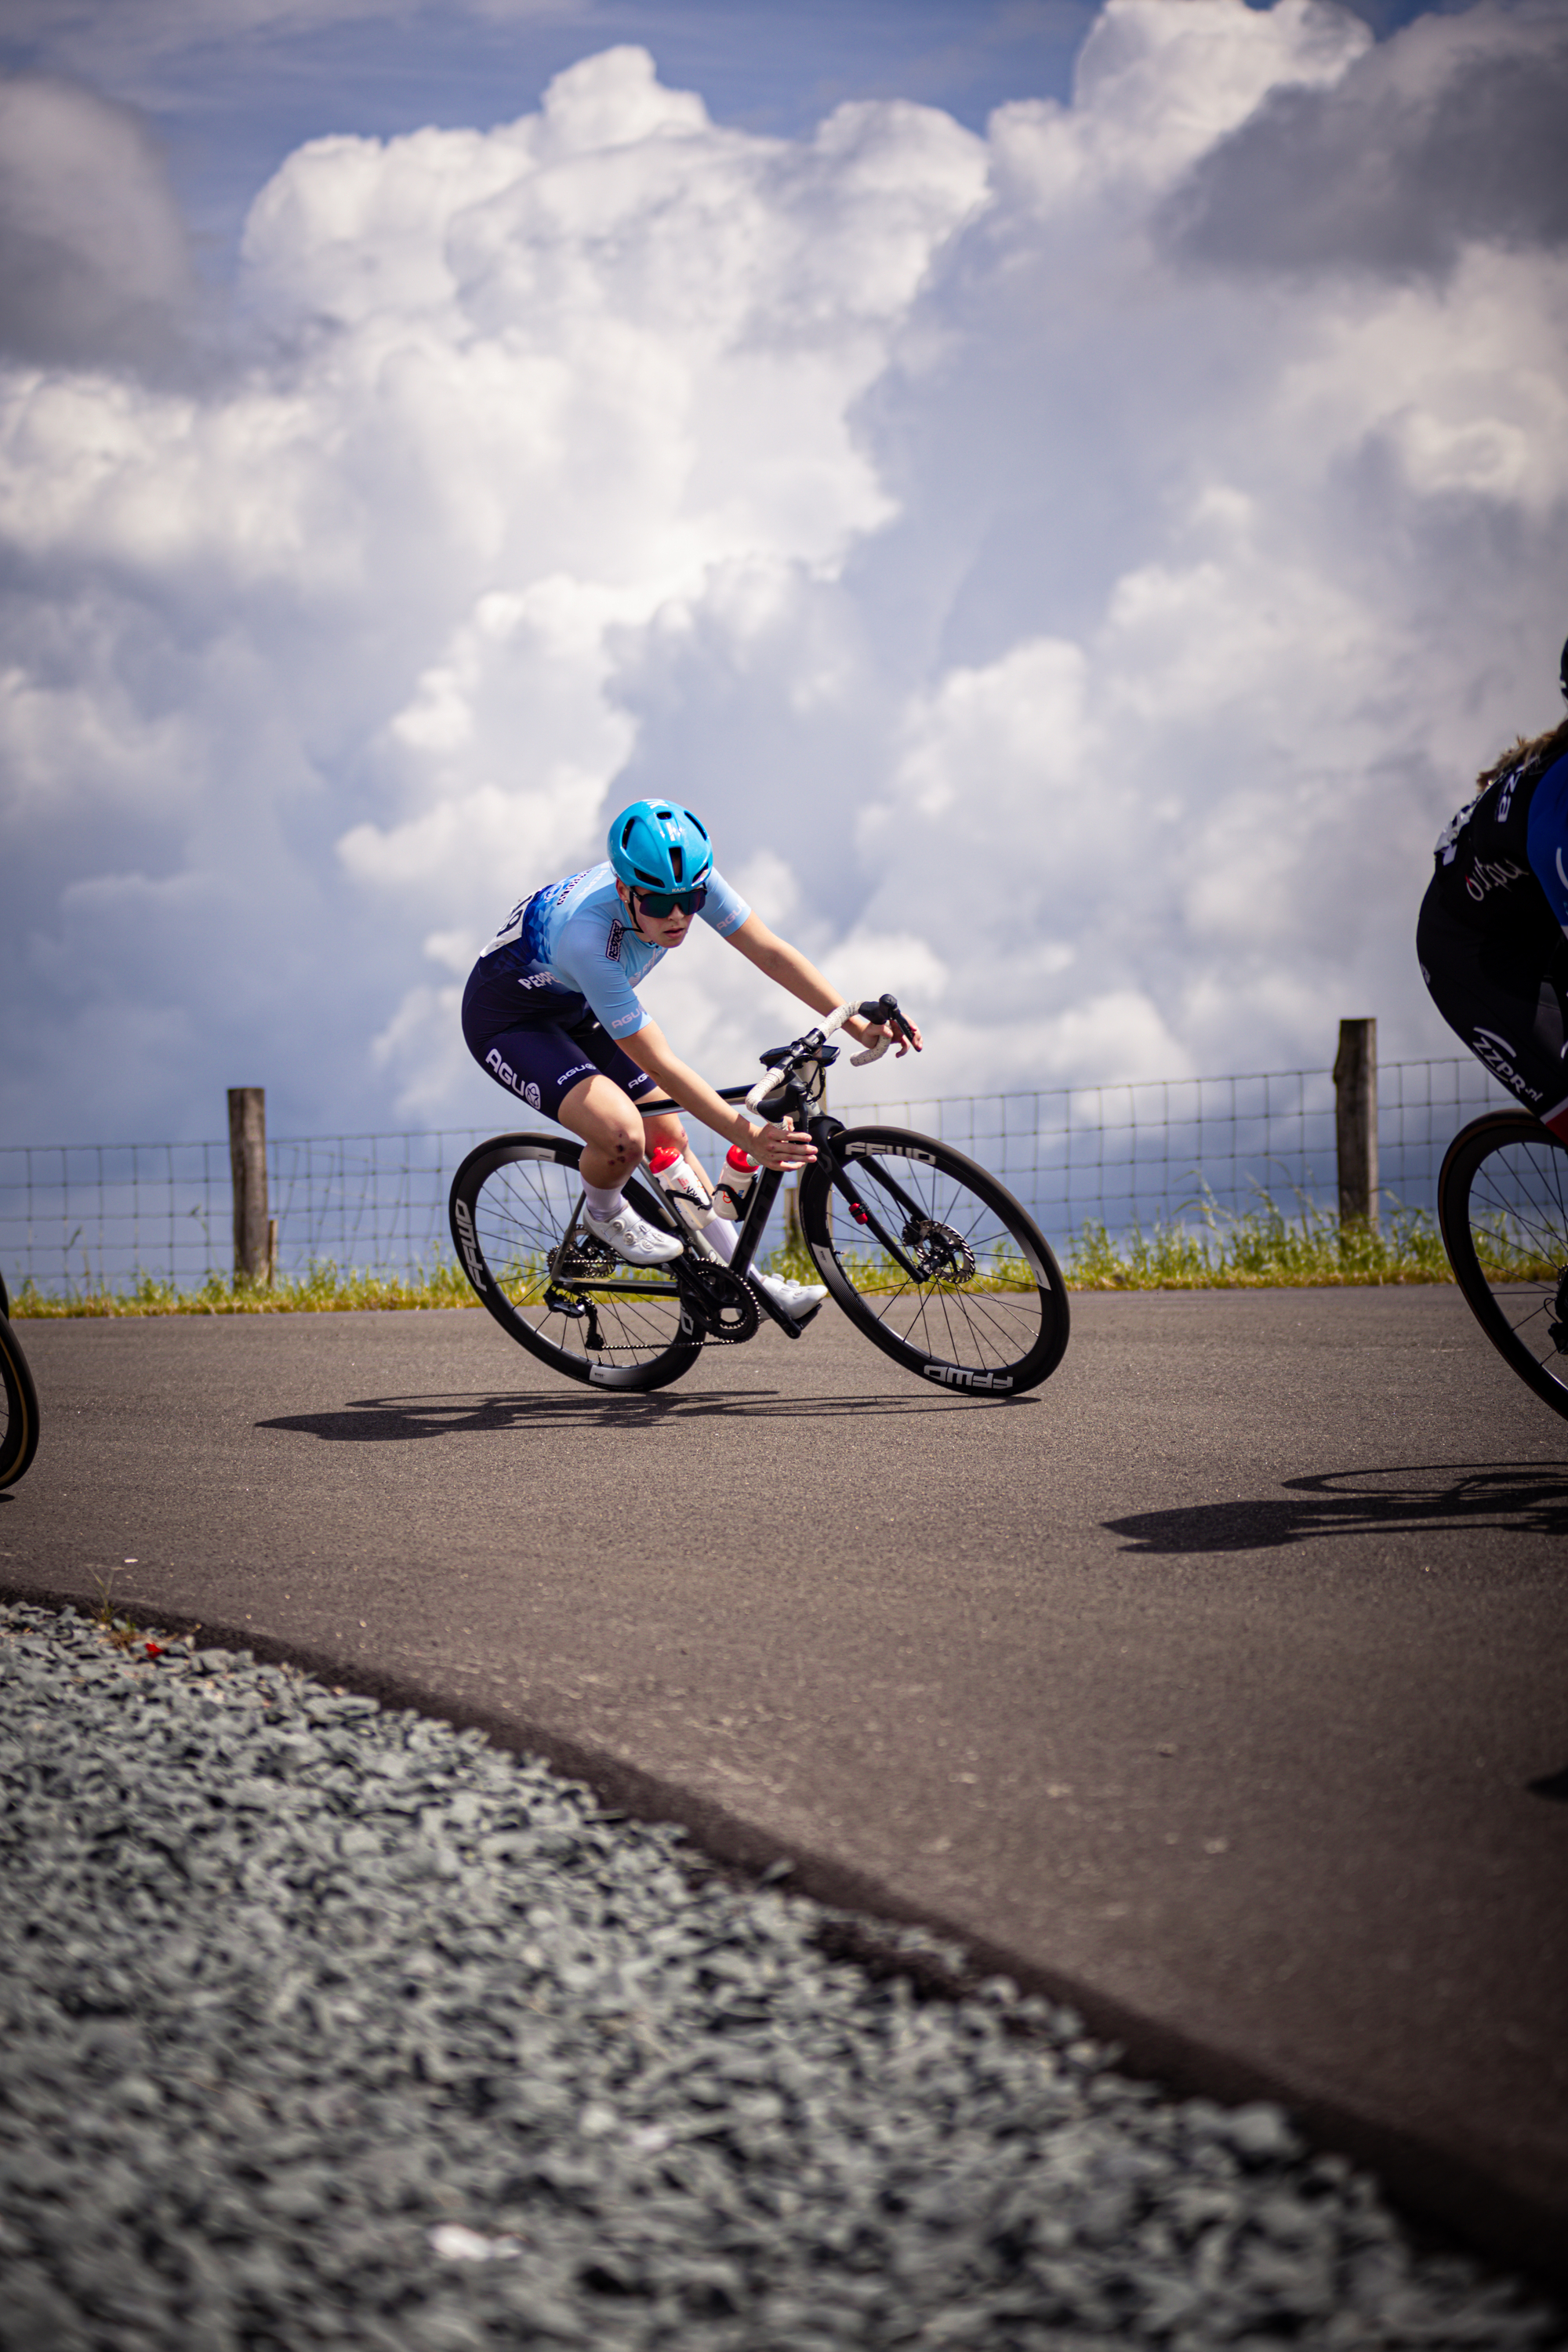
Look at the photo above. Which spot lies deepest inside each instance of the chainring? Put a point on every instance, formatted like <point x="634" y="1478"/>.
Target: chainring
<point x="940" y="1254"/>
<point x="723" y="1307"/>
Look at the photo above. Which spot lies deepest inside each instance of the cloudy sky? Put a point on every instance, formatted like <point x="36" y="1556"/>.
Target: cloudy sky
<point x="1070" y="493"/>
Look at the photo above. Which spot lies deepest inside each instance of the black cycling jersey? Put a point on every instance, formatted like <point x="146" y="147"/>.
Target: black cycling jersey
<point x="1491" y="933"/>
<point x="1498" y="862"/>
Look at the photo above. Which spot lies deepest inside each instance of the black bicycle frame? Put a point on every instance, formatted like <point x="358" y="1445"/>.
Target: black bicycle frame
<point x="626" y="1284"/>
<point x="838" y="1173"/>
<point x="823" y="1130"/>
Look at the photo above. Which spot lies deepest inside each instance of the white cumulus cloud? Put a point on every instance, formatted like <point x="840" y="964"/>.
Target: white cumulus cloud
<point x="1073" y="569"/>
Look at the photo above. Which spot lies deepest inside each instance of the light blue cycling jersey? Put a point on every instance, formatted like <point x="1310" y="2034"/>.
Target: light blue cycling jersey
<point x="572" y="944"/>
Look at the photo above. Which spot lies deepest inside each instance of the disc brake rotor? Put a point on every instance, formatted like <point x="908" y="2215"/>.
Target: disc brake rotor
<point x="938" y="1253"/>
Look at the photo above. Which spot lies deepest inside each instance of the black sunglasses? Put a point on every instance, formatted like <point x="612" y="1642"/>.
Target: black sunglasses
<point x="661" y="903"/>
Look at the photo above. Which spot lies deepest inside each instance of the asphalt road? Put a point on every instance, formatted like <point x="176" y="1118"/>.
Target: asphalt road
<point x="1219" y="1686"/>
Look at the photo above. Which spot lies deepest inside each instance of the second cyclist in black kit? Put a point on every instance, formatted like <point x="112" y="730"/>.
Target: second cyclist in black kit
<point x="1493" y="932"/>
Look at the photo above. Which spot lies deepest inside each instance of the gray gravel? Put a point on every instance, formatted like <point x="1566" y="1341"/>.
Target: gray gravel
<point x="326" y="2025"/>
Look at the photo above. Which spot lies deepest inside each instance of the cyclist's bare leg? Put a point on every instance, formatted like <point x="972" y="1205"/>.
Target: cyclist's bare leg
<point x="614" y="1134"/>
<point x="611" y="1129"/>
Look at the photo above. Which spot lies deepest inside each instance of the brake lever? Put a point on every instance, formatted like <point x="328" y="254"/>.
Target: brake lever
<point x="884" y="1009"/>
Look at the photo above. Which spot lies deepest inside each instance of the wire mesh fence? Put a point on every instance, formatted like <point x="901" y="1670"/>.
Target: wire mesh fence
<point x="92" y="1217"/>
<point x="1161" y="1150"/>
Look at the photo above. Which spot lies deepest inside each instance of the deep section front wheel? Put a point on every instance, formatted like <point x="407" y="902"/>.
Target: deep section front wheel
<point x="18" y="1407"/>
<point x="1502" y="1206"/>
<point x="935" y="1261"/>
<point x="578" y="1307"/>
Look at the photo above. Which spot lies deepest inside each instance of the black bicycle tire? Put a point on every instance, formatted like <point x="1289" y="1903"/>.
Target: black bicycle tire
<point x="19" y="1436"/>
<point x="483" y="1162"/>
<point x="1462" y="1164"/>
<point x="1037" y="1363"/>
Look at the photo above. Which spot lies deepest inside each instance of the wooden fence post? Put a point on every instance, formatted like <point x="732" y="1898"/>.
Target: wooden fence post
<point x="247" y="1161"/>
<point x="1355" y="1121"/>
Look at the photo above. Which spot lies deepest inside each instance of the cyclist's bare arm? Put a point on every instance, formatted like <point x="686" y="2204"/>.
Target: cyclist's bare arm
<point x="776" y="1147"/>
<point x="789" y="967"/>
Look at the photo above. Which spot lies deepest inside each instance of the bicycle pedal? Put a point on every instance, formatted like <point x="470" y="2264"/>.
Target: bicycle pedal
<point x="781" y="1315"/>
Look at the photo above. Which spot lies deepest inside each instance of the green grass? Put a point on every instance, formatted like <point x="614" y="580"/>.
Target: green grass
<point x="1254" y="1249"/>
<point x="324" y="1288"/>
<point x="1259" y="1248"/>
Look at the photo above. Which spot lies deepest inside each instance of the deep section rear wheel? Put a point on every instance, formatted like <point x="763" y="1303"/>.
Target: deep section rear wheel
<point x="1502" y="1205"/>
<point x="935" y="1261"/>
<point x="584" y="1312"/>
<point x="18" y="1407"/>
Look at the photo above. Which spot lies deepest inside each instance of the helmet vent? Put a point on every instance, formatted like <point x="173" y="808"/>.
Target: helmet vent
<point x="654" y="845"/>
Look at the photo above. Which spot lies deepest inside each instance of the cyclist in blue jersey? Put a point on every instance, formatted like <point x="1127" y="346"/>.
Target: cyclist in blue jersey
<point x="1493" y="932"/>
<point x="552" y="1011"/>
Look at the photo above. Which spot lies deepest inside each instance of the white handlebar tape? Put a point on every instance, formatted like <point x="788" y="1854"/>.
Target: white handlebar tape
<point x="770" y="1078"/>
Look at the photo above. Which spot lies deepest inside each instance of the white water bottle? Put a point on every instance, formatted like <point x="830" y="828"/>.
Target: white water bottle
<point x="733" y="1189"/>
<point x="676" y="1178"/>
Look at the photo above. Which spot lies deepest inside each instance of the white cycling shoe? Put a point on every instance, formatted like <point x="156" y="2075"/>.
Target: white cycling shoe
<point x="800" y="1300"/>
<point x="632" y="1237"/>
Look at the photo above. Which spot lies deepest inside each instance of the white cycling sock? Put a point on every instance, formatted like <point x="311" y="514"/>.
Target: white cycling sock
<point x="723" y="1235"/>
<point x="604" y="1203"/>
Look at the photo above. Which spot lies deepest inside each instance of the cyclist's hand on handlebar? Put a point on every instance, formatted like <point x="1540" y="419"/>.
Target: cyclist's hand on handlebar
<point x="898" y="1031"/>
<point x="784" y="1147"/>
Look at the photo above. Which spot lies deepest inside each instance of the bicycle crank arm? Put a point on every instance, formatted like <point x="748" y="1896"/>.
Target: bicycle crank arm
<point x="777" y="1313"/>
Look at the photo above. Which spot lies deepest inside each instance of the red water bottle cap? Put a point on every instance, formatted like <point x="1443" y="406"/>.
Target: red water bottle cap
<point x="737" y="1157"/>
<point x="662" y="1156"/>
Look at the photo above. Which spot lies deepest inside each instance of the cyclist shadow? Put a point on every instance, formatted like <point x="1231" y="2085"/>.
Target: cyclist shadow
<point x="385" y="1420"/>
<point x="1525" y="1498"/>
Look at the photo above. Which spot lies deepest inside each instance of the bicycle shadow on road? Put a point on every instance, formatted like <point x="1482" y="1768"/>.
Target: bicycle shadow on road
<point x="387" y="1420"/>
<point x="1522" y="1499"/>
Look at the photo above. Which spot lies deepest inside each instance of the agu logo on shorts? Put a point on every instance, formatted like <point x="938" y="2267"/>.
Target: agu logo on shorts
<point x="509" y="1077"/>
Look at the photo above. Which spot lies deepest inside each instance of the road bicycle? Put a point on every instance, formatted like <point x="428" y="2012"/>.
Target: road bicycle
<point x="1502" y="1210"/>
<point x="928" y="1256"/>
<point x="18" y="1401"/>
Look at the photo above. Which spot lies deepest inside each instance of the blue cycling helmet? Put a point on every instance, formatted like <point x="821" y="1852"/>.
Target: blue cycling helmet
<point x="654" y="845"/>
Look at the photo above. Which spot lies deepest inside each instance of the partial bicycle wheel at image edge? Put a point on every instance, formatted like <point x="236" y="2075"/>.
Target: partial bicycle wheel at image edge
<point x="935" y="1262"/>
<point x="1502" y="1207"/>
<point x="18" y="1406"/>
<point x="577" y="1306"/>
